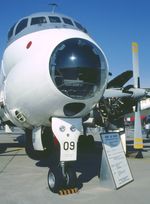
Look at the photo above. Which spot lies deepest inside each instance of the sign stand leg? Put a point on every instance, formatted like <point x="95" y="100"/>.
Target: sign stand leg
<point x="106" y="179"/>
<point x="139" y="154"/>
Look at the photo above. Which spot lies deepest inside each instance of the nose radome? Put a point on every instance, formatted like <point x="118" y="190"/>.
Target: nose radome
<point x="78" y="68"/>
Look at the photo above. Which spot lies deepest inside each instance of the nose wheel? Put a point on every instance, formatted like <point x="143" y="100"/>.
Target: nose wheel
<point x="55" y="179"/>
<point x="62" y="181"/>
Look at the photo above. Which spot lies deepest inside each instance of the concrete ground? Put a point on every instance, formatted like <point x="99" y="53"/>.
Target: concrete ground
<point x="24" y="181"/>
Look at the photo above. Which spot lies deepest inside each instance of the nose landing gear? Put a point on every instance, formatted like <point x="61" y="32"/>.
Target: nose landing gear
<point x="62" y="180"/>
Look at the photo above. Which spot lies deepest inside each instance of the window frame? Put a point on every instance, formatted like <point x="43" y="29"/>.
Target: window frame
<point x="11" y="31"/>
<point x="54" y="18"/>
<point x="21" y="25"/>
<point x="80" y="27"/>
<point x="36" y="21"/>
<point x="67" y="21"/>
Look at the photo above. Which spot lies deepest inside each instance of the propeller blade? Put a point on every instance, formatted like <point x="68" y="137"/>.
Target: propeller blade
<point x="135" y="61"/>
<point x="138" y="139"/>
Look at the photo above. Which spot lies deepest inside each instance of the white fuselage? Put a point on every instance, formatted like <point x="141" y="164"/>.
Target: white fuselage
<point x="29" y="96"/>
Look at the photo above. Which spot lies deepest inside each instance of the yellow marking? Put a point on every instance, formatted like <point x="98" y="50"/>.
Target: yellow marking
<point x="134" y="47"/>
<point x="60" y="192"/>
<point x="138" y="146"/>
<point x="138" y="143"/>
<point x="72" y="190"/>
<point x="76" y="190"/>
<point x="68" y="191"/>
<point x="138" y="140"/>
<point x="65" y="192"/>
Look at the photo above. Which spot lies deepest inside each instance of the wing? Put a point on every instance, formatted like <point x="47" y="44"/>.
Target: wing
<point x="120" y="80"/>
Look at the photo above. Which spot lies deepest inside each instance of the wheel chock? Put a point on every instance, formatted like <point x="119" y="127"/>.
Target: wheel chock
<point x="68" y="191"/>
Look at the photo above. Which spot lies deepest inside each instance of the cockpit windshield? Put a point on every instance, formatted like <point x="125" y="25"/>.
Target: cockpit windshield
<point x="43" y="21"/>
<point x="38" y="20"/>
<point x="10" y="33"/>
<point x="21" y="25"/>
<point x="54" y="19"/>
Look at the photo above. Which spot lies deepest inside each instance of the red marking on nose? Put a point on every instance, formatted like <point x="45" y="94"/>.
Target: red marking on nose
<point x="29" y="45"/>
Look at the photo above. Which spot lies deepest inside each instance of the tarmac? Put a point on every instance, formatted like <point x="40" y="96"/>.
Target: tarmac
<point x="24" y="181"/>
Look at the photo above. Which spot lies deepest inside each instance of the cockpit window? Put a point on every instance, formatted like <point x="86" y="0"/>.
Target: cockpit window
<point x="54" y="19"/>
<point x="38" y="20"/>
<point x="67" y="21"/>
<point x="22" y="25"/>
<point x="10" y="33"/>
<point x="80" y="26"/>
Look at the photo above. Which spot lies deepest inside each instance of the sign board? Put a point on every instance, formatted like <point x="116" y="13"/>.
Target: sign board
<point x="114" y="162"/>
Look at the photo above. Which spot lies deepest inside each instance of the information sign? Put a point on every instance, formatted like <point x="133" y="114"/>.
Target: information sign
<point x="114" y="158"/>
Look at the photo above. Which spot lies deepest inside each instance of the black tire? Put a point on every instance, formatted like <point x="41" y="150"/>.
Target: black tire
<point x="48" y="140"/>
<point x="86" y="143"/>
<point x="71" y="178"/>
<point x="55" y="179"/>
<point x="90" y="140"/>
<point x="34" y="154"/>
<point x="82" y="142"/>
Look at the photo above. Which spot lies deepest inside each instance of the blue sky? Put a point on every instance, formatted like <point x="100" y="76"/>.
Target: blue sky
<point x="114" y="24"/>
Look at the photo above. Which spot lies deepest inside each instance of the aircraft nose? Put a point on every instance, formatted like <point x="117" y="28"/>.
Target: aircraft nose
<point x="78" y="68"/>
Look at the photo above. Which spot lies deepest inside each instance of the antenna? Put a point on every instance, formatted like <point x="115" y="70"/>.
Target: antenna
<point x="53" y="5"/>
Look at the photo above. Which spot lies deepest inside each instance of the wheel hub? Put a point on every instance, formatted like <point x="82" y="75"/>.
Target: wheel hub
<point x="51" y="180"/>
